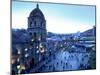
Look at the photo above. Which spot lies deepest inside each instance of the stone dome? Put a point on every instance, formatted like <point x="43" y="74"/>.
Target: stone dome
<point x="37" y="13"/>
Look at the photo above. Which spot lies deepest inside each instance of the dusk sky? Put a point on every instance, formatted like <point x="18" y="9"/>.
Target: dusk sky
<point x="60" y="18"/>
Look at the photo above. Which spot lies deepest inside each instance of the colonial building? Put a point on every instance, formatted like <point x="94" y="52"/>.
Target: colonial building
<point x="37" y="32"/>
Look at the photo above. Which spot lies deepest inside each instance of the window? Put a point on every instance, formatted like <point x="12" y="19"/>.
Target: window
<point x="41" y="24"/>
<point x="34" y="23"/>
<point x="30" y="24"/>
<point x="30" y="33"/>
<point x="41" y="36"/>
<point x="34" y="35"/>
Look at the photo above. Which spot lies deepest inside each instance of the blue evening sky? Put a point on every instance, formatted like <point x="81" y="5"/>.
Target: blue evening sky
<point x="60" y="18"/>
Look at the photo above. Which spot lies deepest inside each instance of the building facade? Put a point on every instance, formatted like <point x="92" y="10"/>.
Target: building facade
<point x="37" y="32"/>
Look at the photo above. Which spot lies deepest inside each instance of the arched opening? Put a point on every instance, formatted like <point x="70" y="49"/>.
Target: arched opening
<point x="30" y="24"/>
<point x="34" y="23"/>
<point x="41" y="36"/>
<point x="41" y="24"/>
<point x="30" y="33"/>
<point x="32" y="62"/>
<point x="35" y="35"/>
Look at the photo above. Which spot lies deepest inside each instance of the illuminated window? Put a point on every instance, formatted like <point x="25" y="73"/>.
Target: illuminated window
<point x="12" y="61"/>
<point x="26" y="49"/>
<point x="18" y="51"/>
<point x="26" y="55"/>
<point x="37" y="47"/>
<point x="18" y="60"/>
<point x="32" y="39"/>
<point x="37" y="51"/>
<point x="39" y="38"/>
<point x="39" y="58"/>
<point x="61" y="45"/>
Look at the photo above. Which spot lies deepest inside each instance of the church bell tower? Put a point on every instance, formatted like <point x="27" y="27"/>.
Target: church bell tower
<point x="37" y="32"/>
